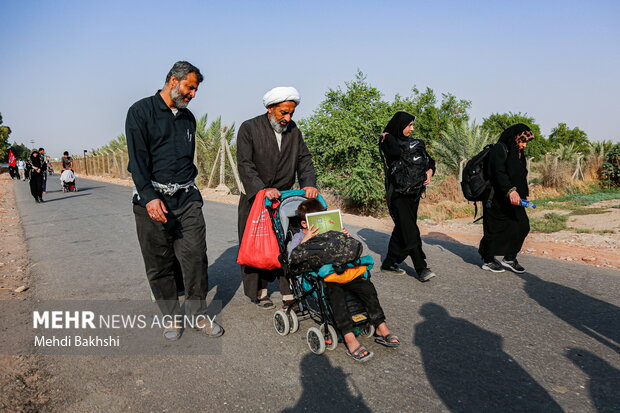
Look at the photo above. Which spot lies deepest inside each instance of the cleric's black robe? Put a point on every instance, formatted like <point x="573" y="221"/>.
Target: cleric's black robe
<point x="262" y="165"/>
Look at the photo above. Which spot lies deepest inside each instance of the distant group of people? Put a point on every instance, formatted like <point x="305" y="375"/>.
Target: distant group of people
<point x="272" y="156"/>
<point x="36" y="170"/>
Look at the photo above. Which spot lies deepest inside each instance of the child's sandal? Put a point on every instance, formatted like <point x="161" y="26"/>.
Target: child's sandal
<point x="357" y="354"/>
<point x="390" y="340"/>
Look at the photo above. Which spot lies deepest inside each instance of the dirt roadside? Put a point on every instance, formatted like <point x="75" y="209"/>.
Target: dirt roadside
<point x="23" y="378"/>
<point x="600" y="250"/>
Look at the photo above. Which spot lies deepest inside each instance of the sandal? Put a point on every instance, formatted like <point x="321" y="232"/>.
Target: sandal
<point x="172" y="333"/>
<point x="390" y="340"/>
<point x="357" y="354"/>
<point x="265" y="303"/>
<point x="212" y="329"/>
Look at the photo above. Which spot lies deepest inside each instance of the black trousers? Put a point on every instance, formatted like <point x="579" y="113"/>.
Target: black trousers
<point x="405" y="240"/>
<point x="179" y="244"/>
<point x="35" y="184"/>
<point x="365" y="291"/>
<point x="505" y="228"/>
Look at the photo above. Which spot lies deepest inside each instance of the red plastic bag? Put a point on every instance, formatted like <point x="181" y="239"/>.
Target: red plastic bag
<point x="259" y="245"/>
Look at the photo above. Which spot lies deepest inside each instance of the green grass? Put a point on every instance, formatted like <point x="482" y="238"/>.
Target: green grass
<point x="616" y="206"/>
<point x="584" y="199"/>
<point x="606" y="231"/>
<point x="582" y="230"/>
<point x="550" y="222"/>
<point x="589" y="211"/>
<point x="423" y="217"/>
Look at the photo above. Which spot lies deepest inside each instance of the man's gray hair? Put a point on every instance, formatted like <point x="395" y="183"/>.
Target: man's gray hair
<point x="181" y="69"/>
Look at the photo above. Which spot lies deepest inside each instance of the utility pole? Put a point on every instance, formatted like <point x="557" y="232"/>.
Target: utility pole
<point x="85" y="163"/>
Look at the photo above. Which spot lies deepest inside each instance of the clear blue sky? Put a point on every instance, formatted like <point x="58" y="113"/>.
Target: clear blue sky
<point x="71" y="69"/>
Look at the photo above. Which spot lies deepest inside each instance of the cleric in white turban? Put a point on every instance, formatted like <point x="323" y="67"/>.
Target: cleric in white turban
<point x="271" y="155"/>
<point x="281" y="94"/>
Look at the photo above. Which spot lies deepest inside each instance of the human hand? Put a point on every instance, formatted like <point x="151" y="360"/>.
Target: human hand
<point x="429" y="176"/>
<point x="272" y="193"/>
<point x="311" y="192"/>
<point x="514" y="197"/>
<point x="345" y="232"/>
<point x="312" y="231"/>
<point x="383" y="135"/>
<point x="157" y="210"/>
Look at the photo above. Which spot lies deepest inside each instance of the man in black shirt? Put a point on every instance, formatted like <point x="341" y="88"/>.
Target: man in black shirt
<point x="167" y="204"/>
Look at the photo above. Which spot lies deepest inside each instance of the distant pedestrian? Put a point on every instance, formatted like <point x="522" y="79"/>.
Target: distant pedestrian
<point x="36" y="175"/>
<point x="13" y="166"/>
<point x="505" y="221"/>
<point x="67" y="161"/>
<point x="409" y="168"/>
<point x="167" y="207"/>
<point x="21" y="169"/>
<point x="50" y="167"/>
<point x="43" y="170"/>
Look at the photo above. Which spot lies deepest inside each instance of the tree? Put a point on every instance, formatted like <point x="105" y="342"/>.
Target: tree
<point x="497" y="122"/>
<point x="459" y="143"/>
<point x="5" y="131"/>
<point x="20" y="150"/>
<point x="564" y="135"/>
<point x="342" y="135"/>
<point x="432" y="119"/>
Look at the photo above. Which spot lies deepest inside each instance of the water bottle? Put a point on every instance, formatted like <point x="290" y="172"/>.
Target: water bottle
<point x="527" y="204"/>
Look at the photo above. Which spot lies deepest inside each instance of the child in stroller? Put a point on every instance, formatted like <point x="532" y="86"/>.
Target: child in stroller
<point x="347" y="300"/>
<point x="67" y="180"/>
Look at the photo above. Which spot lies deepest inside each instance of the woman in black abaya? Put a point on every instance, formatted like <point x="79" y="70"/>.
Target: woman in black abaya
<point x="505" y="221"/>
<point x="36" y="176"/>
<point x="405" y="240"/>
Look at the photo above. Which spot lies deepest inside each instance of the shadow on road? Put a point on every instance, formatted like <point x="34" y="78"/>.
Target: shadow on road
<point x="604" y="379"/>
<point x="593" y="317"/>
<point x="225" y="273"/>
<point x="467" y="253"/>
<point x="376" y="241"/>
<point x="66" y="197"/>
<point x="470" y="372"/>
<point x="326" y="388"/>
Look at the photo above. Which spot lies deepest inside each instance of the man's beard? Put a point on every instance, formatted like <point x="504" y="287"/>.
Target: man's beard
<point x="277" y="127"/>
<point x="177" y="97"/>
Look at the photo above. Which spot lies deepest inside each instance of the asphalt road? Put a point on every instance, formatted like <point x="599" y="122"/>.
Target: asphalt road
<point x="545" y="341"/>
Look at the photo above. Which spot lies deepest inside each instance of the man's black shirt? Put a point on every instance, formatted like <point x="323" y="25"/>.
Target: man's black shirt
<point x="161" y="149"/>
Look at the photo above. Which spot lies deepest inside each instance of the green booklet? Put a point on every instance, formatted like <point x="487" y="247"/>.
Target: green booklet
<point x="325" y="220"/>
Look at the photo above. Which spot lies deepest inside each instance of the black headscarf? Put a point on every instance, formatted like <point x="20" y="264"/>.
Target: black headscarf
<point x="35" y="160"/>
<point x="510" y="133"/>
<point x="515" y="160"/>
<point x="398" y="123"/>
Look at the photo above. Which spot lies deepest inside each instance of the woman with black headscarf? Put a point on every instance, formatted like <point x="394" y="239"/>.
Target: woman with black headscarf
<point x="505" y="221"/>
<point x="36" y="176"/>
<point x="408" y="169"/>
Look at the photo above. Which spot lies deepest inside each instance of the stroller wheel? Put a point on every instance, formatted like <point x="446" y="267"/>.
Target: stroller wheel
<point x="293" y="321"/>
<point x="315" y="339"/>
<point x="368" y="330"/>
<point x="331" y="336"/>
<point x="281" y="323"/>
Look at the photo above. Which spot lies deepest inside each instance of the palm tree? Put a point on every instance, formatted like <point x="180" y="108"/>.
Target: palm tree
<point x="459" y="143"/>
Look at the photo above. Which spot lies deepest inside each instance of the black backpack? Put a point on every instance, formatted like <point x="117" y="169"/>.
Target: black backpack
<point x="331" y="247"/>
<point x="408" y="173"/>
<point x="476" y="185"/>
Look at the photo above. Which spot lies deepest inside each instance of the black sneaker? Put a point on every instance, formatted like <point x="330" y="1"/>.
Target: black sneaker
<point x="426" y="274"/>
<point x="513" y="265"/>
<point x="492" y="266"/>
<point x="393" y="269"/>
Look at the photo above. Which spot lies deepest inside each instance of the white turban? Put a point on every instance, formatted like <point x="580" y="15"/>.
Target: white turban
<point x="281" y="94"/>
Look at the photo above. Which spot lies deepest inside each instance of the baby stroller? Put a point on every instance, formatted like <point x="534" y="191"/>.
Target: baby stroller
<point x="67" y="179"/>
<point x="308" y="287"/>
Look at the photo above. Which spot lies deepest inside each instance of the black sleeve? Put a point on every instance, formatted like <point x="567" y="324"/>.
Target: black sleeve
<point x="390" y="147"/>
<point x="139" y="156"/>
<point x="497" y="169"/>
<point x="431" y="163"/>
<point x="247" y="170"/>
<point x="305" y="168"/>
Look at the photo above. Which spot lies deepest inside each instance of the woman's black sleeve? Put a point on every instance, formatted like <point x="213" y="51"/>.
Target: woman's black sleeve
<point x="391" y="147"/>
